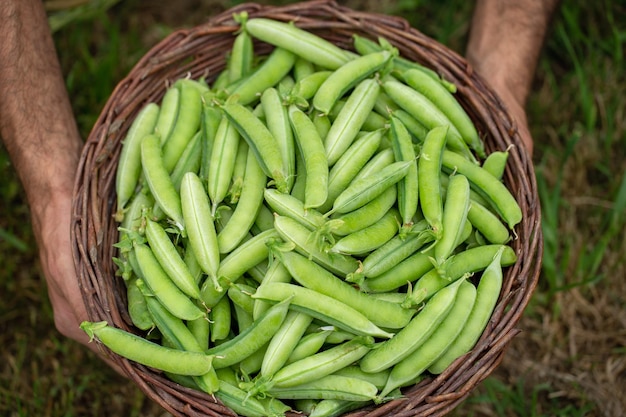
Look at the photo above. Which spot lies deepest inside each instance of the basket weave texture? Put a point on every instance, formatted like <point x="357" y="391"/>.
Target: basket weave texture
<point x="200" y="52"/>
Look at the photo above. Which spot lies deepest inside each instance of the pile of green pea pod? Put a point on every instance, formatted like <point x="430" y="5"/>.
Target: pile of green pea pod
<point x="314" y="231"/>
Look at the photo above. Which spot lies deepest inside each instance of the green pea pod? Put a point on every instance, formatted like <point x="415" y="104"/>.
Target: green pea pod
<point x="378" y="161"/>
<point x="487" y="294"/>
<point x="276" y="272"/>
<point x="310" y="344"/>
<point x="314" y="156"/>
<point x="170" y="260"/>
<point x="350" y="119"/>
<point x="347" y="77"/>
<point x="137" y="308"/>
<point x="395" y="250"/>
<point x="495" y="163"/>
<point x="268" y="74"/>
<point x="455" y="211"/>
<point x="299" y="41"/>
<point x="487" y="223"/>
<point x="260" y="140"/>
<point x="408" y="194"/>
<point x="159" y="181"/>
<point x="364" y="190"/>
<point x="417" y="130"/>
<point x="447" y="103"/>
<point x="241" y="58"/>
<point x="129" y="163"/>
<point x="170" y="106"/>
<point x="251" y="339"/>
<point x="247" y="208"/>
<point x="178" y="334"/>
<point x="366" y="46"/>
<point x="305" y="243"/>
<point x="200" y="225"/>
<point x="189" y="161"/>
<point x="413" y="365"/>
<point x="322" y="307"/>
<point x="186" y="125"/>
<point x="329" y="387"/>
<point x="379" y="379"/>
<point x="429" y="168"/>
<point x="140" y="350"/>
<point x="413" y="335"/>
<point x="322" y="364"/>
<point x="284" y="341"/>
<point x="369" y="238"/>
<point x="292" y="207"/>
<point x="458" y="265"/>
<point x="277" y="121"/>
<point x="222" y="162"/>
<point x="239" y="401"/>
<point x="211" y="118"/>
<point x="487" y="185"/>
<point x="334" y="408"/>
<point x="318" y="279"/>
<point x="422" y="109"/>
<point x="235" y="264"/>
<point x="350" y="164"/>
<point x="400" y="274"/>
<point x="220" y="318"/>
<point x="306" y="87"/>
<point x="302" y="68"/>
<point x="364" y="216"/>
<point x="163" y="287"/>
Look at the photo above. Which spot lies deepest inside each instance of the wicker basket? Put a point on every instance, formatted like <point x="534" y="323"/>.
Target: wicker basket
<point x="200" y="52"/>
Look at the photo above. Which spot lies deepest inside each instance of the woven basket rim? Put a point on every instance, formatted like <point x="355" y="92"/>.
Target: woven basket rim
<point x="199" y="52"/>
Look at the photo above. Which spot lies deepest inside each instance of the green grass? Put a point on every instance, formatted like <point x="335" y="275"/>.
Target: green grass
<point x="568" y="353"/>
<point x="516" y="400"/>
<point x="587" y="58"/>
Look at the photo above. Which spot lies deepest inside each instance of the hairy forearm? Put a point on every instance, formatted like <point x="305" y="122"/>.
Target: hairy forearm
<point x="39" y="131"/>
<point x="506" y="39"/>
<point x="36" y="121"/>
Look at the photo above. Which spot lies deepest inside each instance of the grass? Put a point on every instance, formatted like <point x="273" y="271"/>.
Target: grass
<point x="570" y="359"/>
